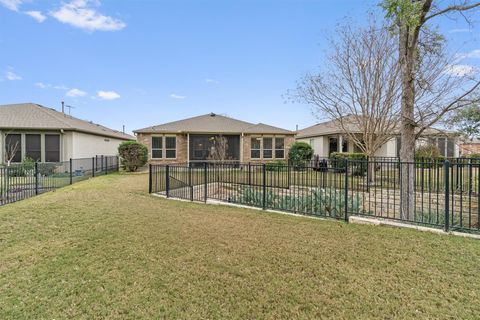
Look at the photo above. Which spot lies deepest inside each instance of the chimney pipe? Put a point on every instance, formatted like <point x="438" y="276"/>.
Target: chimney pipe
<point x="63" y="107"/>
<point x="123" y="130"/>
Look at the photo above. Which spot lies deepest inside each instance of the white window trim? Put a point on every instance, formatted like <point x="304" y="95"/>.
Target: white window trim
<point x="165" y="146"/>
<point x="274" y="149"/>
<point x="23" y="149"/>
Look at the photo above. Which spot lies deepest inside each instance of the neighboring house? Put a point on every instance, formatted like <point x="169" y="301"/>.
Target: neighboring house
<point x="191" y="140"/>
<point x="470" y="146"/>
<point x="328" y="137"/>
<point x="47" y="135"/>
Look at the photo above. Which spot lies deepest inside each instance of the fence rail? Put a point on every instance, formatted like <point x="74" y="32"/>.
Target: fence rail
<point x="445" y="194"/>
<point x="21" y="181"/>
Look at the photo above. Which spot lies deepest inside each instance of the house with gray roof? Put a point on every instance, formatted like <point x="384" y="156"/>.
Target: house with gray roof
<point x="193" y="140"/>
<point x="29" y="130"/>
<point x="327" y="137"/>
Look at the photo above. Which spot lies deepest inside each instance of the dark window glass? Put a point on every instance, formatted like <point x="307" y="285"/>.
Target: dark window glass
<point x="157" y="145"/>
<point x="267" y="148"/>
<point x="170" y="147"/>
<point x="344" y="146"/>
<point x="255" y="148"/>
<point x="13" y="148"/>
<point x="441" y="146"/>
<point x="399" y="145"/>
<point x="450" y="148"/>
<point x="279" y="154"/>
<point x="332" y="145"/>
<point x="33" y="147"/>
<point x="52" y="148"/>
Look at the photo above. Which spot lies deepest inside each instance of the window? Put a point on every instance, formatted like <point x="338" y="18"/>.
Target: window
<point x="441" y="146"/>
<point x="52" y="148"/>
<point x="280" y="148"/>
<point x="171" y="147"/>
<point x="157" y="147"/>
<point x="255" y="148"/>
<point x="344" y="146"/>
<point x="33" y="147"/>
<point x="267" y="148"/>
<point x="13" y="148"/>
<point x="399" y="146"/>
<point x="450" y="148"/>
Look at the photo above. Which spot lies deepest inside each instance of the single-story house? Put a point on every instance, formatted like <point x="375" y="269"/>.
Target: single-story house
<point x="328" y="137"/>
<point x="193" y="140"/>
<point x="46" y="135"/>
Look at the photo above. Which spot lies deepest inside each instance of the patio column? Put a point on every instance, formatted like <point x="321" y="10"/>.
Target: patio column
<point x="188" y="149"/>
<point x="340" y="143"/>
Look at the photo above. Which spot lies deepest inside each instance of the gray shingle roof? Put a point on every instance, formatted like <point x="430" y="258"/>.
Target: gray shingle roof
<point x="30" y="116"/>
<point x="334" y="127"/>
<point x="213" y="123"/>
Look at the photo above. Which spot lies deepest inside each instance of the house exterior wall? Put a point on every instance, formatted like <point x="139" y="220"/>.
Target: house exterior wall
<point x="73" y="145"/>
<point x="182" y="147"/>
<point x="181" y="143"/>
<point x="469" y="148"/>
<point x="83" y="145"/>
<point x="246" y="141"/>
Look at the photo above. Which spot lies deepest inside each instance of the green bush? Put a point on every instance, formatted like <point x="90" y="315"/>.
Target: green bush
<point x="26" y="167"/>
<point x="428" y="156"/>
<point x="278" y="165"/>
<point x="474" y="156"/>
<point x="300" y="153"/>
<point x="359" y="167"/>
<point x="133" y="155"/>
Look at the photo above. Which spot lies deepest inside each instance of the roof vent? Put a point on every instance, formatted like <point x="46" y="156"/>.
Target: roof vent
<point x="212" y="114"/>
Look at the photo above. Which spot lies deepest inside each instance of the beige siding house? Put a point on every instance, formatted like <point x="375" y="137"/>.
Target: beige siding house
<point x="47" y="135"/>
<point x="192" y="140"/>
<point x="328" y="137"/>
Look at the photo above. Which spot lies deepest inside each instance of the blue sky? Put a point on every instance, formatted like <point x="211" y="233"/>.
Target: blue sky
<point x="140" y="63"/>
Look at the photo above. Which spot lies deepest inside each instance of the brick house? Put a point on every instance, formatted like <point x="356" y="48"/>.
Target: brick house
<point x="192" y="140"/>
<point x="470" y="146"/>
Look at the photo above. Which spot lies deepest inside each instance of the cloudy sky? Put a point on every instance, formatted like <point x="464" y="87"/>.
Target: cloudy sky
<point x="141" y="63"/>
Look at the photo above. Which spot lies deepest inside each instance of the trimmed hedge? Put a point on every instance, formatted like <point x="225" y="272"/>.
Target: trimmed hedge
<point x="133" y="155"/>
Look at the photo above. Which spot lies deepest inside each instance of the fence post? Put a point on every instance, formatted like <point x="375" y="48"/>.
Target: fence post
<point x="264" y="185"/>
<point x="106" y="165"/>
<point x="71" y="171"/>
<point x="288" y="173"/>
<point x="118" y="164"/>
<point x="346" y="190"/>
<point x="36" y="178"/>
<point x="249" y="174"/>
<point x="167" y="180"/>
<point x="205" y="178"/>
<point x="101" y="163"/>
<point x="190" y="182"/>
<point x="446" y="167"/>
<point x="93" y="167"/>
<point x="150" y="178"/>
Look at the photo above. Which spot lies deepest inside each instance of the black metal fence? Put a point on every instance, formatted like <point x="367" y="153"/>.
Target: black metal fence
<point x="21" y="181"/>
<point x="445" y="194"/>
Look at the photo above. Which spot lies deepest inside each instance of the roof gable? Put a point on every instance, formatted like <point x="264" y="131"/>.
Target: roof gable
<point x="28" y="116"/>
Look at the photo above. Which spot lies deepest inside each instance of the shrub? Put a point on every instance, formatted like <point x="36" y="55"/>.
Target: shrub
<point x="133" y="155"/>
<point x="474" y="156"/>
<point x="359" y="167"/>
<point x="299" y="153"/>
<point x="278" y="165"/>
<point x="26" y="167"/>
<point x="428" y="156"/>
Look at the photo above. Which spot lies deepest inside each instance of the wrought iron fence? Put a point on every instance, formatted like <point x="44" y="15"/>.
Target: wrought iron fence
<point x="444" y="193"/>
<point x="21" y="181"/>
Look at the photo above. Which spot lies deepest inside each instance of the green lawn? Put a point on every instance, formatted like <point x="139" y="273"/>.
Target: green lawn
<point x="104" y="248"/>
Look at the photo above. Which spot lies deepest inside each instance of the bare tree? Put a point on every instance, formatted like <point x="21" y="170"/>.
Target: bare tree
<point x="419" y="110"/>
<point x="11" y="149"/>
<point x="219" y="149"/>
<point x="359" y="87"/>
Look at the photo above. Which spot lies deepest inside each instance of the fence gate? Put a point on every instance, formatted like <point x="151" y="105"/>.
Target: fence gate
<point x="185" y="182"/>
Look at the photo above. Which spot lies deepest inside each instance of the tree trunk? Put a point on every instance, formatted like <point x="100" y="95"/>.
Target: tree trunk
<point x="407" y="126"/>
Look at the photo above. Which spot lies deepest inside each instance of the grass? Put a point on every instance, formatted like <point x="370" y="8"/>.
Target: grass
<point x="104" y="248"/>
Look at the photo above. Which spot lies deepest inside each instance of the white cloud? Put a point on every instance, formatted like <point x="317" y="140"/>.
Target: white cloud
<point x="212" y="81"/>
<point x="37" y="15"/>
<point x="75" y="93"/>
<point x="60" y="87"/>
<point x="176" y="96"/>
<point x="11" y="4"/>
<point x="461" y="70"/>
<point x="81" y="14"/>
<point x="10" y="75"/>
<point x="474" y="54"/>
<point x="42" y="85"/>
<point x="108" y="95"/>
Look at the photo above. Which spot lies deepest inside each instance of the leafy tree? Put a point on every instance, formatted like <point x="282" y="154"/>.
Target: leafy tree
<point x="467" y="120"/>
<point x="133" y="155"/>
<point x="299" y="153"/>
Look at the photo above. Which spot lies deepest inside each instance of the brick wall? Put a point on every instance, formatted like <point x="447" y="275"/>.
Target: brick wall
<point x="289" y="140"/>
<point x="146" y="139"/>
<point x="469" y="148"/>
